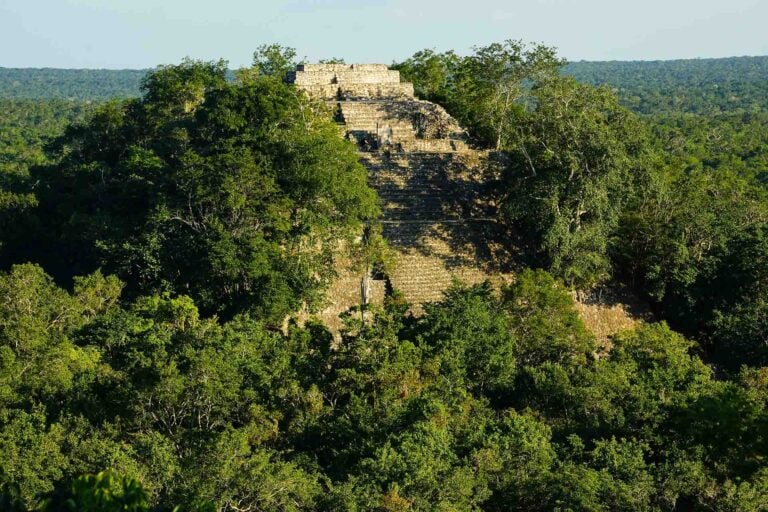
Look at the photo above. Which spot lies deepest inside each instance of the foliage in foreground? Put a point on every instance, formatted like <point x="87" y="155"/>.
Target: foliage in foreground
<point x="487" y="402"/>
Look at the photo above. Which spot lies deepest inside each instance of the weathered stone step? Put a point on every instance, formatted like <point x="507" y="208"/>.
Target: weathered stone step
<point x="405" y="193"/>
<point x="416" y="211"/>
<point x="359" y="91"/>
<point x="435" y="145"/>
<point x="412" y="180"/>
<point x="413" y="157"/>
<point x="321" y="66"/>
<point x="403" y="166"/>
<point x="345" y="77"/>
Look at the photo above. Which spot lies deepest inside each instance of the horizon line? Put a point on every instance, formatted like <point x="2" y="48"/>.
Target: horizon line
<point x="568" y="61"/>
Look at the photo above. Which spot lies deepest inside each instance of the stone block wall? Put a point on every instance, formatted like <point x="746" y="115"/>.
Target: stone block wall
<point x="350" y="81"/>
<point x="359" y="91"/>
<point x="327" y="74"/>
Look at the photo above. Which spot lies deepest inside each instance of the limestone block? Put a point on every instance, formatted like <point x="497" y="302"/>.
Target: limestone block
<point x="358" y="91"/>
<point x="372" y="68"/>
<point x="345" y="77"/>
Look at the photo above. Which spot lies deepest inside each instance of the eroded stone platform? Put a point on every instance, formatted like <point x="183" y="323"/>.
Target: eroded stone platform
<point x="428" y="179"/>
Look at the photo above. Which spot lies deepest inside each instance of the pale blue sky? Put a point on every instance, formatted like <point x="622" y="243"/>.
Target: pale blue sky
<point x="144" y="33"/>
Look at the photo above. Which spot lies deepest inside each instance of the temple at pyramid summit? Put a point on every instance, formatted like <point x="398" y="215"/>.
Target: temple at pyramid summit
<point x="428" y="179"/>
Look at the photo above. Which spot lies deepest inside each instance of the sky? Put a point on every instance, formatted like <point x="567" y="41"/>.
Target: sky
<point x="120" y="34"/>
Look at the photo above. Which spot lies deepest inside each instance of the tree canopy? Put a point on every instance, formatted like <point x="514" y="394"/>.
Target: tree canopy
<point x="231" y="193"/>
<point x="673" y="205"/>
<point x="489" y="401"/>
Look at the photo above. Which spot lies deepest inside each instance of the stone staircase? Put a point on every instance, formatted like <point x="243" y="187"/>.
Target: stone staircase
<point x="401" y="125"/>
<point x="428" y="179"/>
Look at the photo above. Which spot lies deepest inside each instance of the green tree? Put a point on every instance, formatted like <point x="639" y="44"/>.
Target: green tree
<point x="485" y="90"/>
<point x="274" y="60"/>
<point x="495" y="81"/>
<point x="543" y="316"/>
<point x="38" y="360"/>
<point x="102" y="492"/>
<point x="693" y="240"/>
<point x="575" y="156"/>
<point x="432" y="74"/>
<point x="234" y="194"/>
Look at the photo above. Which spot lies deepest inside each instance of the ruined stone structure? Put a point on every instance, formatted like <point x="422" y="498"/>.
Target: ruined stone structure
<point x="426" y="176"/>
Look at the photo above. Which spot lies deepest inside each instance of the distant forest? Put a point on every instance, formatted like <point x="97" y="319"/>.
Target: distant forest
<point x="69" y="84"/>
<point x="697" y="86"/>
